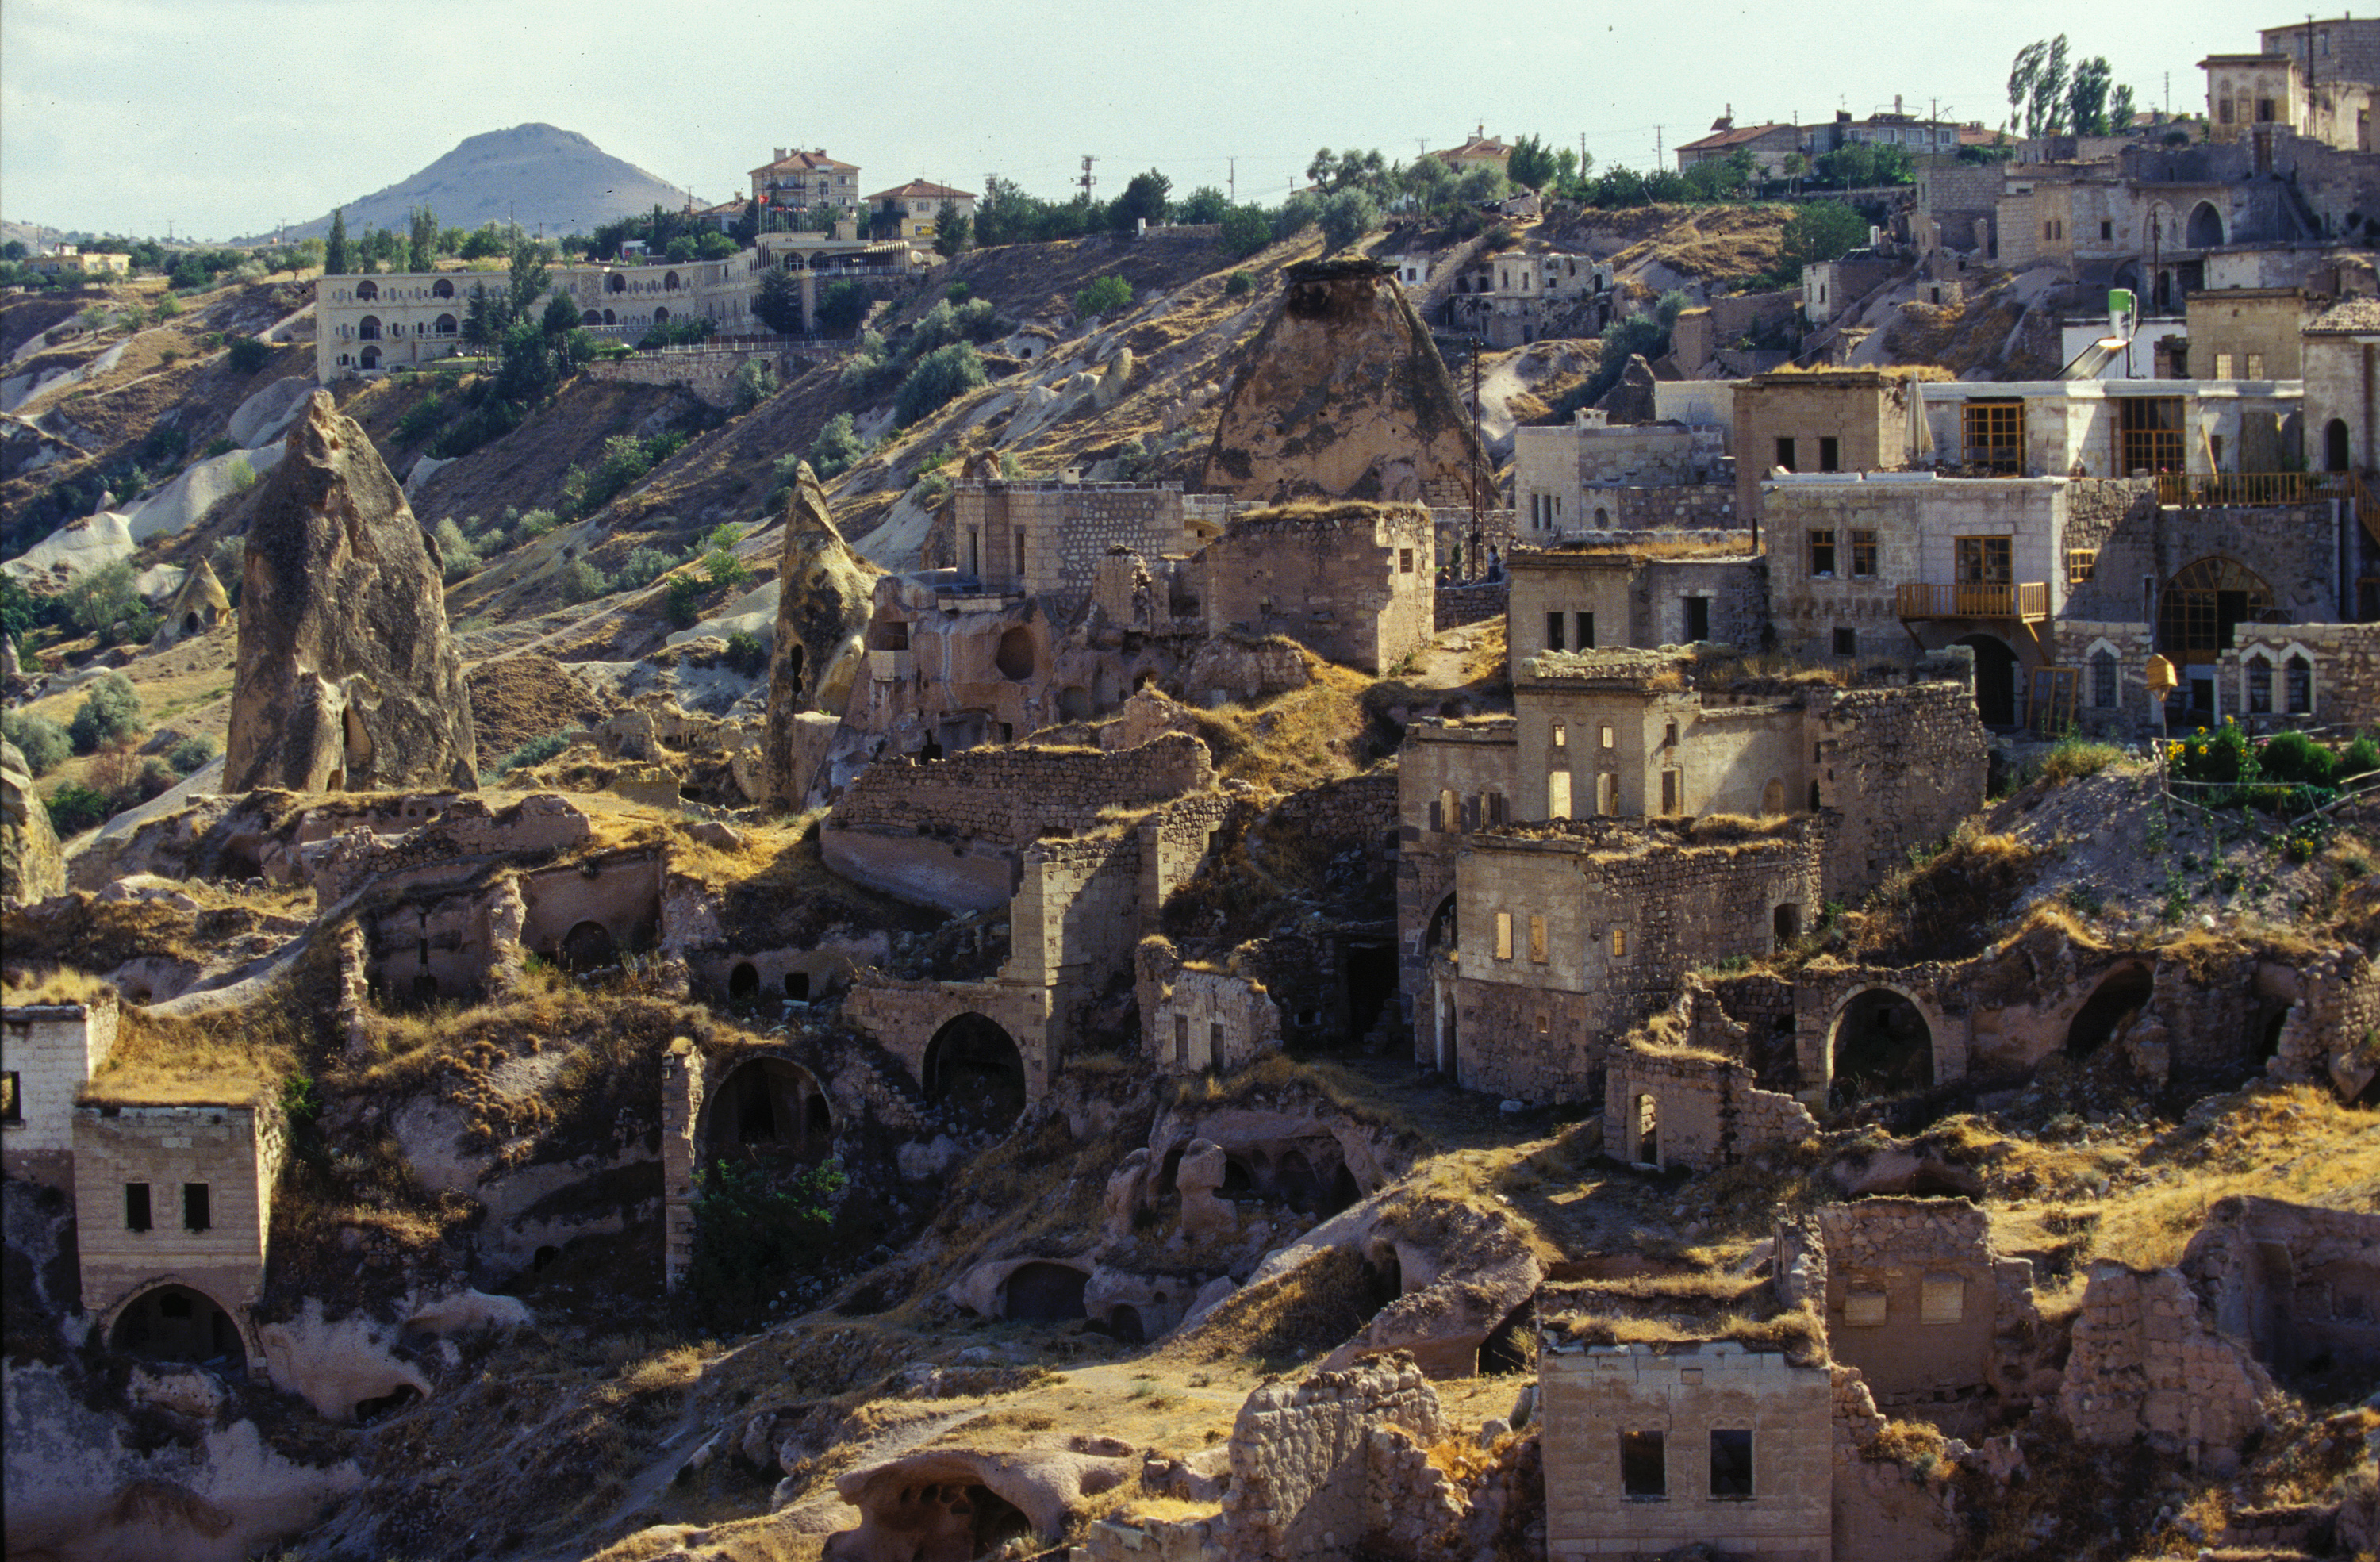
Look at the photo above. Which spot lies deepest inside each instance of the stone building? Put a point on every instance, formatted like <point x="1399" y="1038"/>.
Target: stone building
<point x="1590" y="598"/>
<point x="1588" y="475"/>
<point x="172" y="1205"/>
<point x="1353" y="583"/>
<point x="2341" y="348"/>
<point x="1046" y="539"/>
<point x="1194" y="1019"/>
<point x="1654" y="1448"/>
<point x="48" y="1053"/>
<point x="1833" y="421"/>
<point x="2250" y="333"/>
<point x="2299" y="1285"/>
<point x="805" y="179"/>
<point x="2115" y="428"/>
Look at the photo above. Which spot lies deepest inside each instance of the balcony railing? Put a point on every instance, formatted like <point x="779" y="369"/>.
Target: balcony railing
<point x="2025" y="600"/>
<point x="2209" y="490"/>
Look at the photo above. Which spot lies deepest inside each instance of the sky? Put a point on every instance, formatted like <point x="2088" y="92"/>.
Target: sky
<point x="223" y="117"/>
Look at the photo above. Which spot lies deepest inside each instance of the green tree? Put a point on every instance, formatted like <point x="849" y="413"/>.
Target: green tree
<point x="778" y="302"/>
<point x="561" y="317"/>
<point x="529" y="277"/>
<point x="1205" y="204"/>
<point x="840" y="306"/>
<point x="1246" y="229"/>
<point x="2121" y="110"/>
<point x="837" y="446"/>
<point x="2037" y="87"/>
<point x="1818" y="230"/>
<point x="679" y="250"/>
<point x="940" y="377"/>
<point x="754" y="1233"/>
<point x="41" y="741"/>
<point x="1142" y="200"/>
<point x="110" y="712"/>
<point x="248" y="354"/>
<point x="421" y="249"/>
<point x="1540" y="166"/>
<point x="99" y="597"/>
<point x="483" y="243"/>
<point x="2086" y="96"/>
<point x="1348" y="215"/>
<point x="713" y="245"/>
<point x="1101" y="295"/>
<point x="336" y="259"/>
<point x="953" y="230"/>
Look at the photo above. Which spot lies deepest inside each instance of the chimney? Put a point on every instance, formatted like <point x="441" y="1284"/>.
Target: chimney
<point x="1896" y="103"/>
<point x="780" y="154"/>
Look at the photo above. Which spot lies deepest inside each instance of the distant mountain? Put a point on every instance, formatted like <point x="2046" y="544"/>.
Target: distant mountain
<point x="534" y="175"/>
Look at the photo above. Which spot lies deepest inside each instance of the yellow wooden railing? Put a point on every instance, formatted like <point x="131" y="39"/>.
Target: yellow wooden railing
<point x="2028" y="598"/>
<point x="2194" y="490"/>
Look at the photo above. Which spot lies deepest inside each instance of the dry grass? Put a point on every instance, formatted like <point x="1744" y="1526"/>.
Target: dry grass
<point x="1292" y="741"/>
<point x="1947" y="904"/>
<point x="51" y="983"/>
<point x="1684" y="1310"/>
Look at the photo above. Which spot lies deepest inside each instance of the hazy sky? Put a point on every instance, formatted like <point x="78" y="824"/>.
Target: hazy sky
<point x="226" y="116"/>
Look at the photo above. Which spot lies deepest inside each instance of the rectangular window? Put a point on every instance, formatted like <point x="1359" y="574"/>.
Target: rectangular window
<point x="1538" y="940"/>
<point x="136" y="1206"/>
<point x="1785" y="453"/>
<point x="1561" y="735"/>
<point x="1863" y="555"/>
<point x="1558" y="796"/>
<point x="1020" y="556"/>
<point x="2223" y="366"/>
<point x="2080" y="563"/>
<point x="1942" y="1299"/>
<point x="1606" y="794"/>
<point x="2148" y="433"/>
<point x="1731" y="1462"/>
<point x="12" y="1107"/>
<point x="1830" y="454"/>
<point x="1404" y="561"/>
<point x="1585" y="623"/>
<point x="2256" y="366"/>
<point x="1620" y="943"/>
<point x="1643" y="1468"/>
<point x="1503" y="934"/>
<point x="1553" y="631"/>
<point x="1673" y="786"/>
<point x="2103" y="680"/>
<point x="1215" y="1045"/>
<point x="1697" y="618"/>
<point x="1847" y="642"/>
<point x="1993" y="432"/>
<point x="1864" y="1309"/>
<point x="197" y="1212"/>
<point x="1984" y="560"/>
<point x="1604" y="735"/>
<point x="2107" y="229"/>
<point x="1822" y="553"/>
<point x="1181" y="1042"/>
<point x="2260" y="687"/>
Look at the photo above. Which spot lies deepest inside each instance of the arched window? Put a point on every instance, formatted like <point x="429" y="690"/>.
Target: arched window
<point x="2297" y="675"/>
<point x="669" y="283"/>
<point x="2205" y="226"/>
<point x="2256" y="675"/>
<point x="368" y="328"/>
<point x="368" y="290"/>
<point x="2202" y="604"/>
<point x="608" y="319"/>
<point x="659" y="314"/>
<point x="445" y="325"/>
<point x="441" y="288"/>
<point x="615" y="282"/>
<point x="372" y="357"/>
<point x="591" y="318"/>
<point x="2103" y="680"/>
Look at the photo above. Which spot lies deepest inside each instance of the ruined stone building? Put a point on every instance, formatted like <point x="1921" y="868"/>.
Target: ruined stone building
<point x="1046" y="539"/>
<point x="1582" y="599"/>
<point x="48" y="1053"/>
<point x="1591" y="476"/>
<point x="1353" y="583"/>
<point x="1834" y="420"/>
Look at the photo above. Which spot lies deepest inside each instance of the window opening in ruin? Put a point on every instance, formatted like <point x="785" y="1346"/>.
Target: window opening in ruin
<point x="1553" y="631"/>
<point x="1044" y="1293"/>
<point x="2337" y="455"/>
<point x="1649" y="1129"/>
<point x="1772" y="798"/>
<point x="1298" y="1186"/>
<point x="1670" y="735"/>
<point x="2297" y="686"/>
<point x="1538" y="940"/>
<point x="1882" y="1046"/>
<point x="1544" y="1025"/>
<point x="1014" y="656"/>
<point x="1995" y="679"/>
<point x="1510" y="1348"/>
<point x="1181" y="1042"/>
<point x="1214" y="1043"/>
<point x="197" y="1213"/>
<point x="1620" y="943"/>
<point x="1558" y="794"/>
<point x="2104" y="689"/>
<point x="1674" y="784"/>
<point x="1697" y="618"/>
<point x="1605" y="736"/>
<point x="797" y="986"/>
<point x="1448" y="811"/>
<point x="1830" y="453"/>
<point x="1583" y="622"/>
<point x="587" y="947"/>
<point x="1124" y="1323"/>
<point x="1644" y="1469"/>
<point x="1785" y="924"/>
<point x="743" y="982"/>
<point x="1404" y="561"/>
<point x="973" y="1069"/>
<point x="1344" y="1191"/>
<point x="1815" y="803"/>
<point x="1238" y="1181"/>
<point x="2204" y="602"/>
<point x="1785" y="453"/>
<point x="2148" y="431"/>
<point x="1941" y="1299"/>
<point x="1606" y="788"/>
<point x="1822" y="553"/>
<point x="136" y="1206"/>
<point x="11" y="1106"/>
<point x="1503" y="934"/>
<point x="1864" y="1309"/>
<point x="1846" y="642"/>
<point x="1442" y="927"/>
<point x="177" y="1323"/>
<point x="1371" y="979"/>
<point x="1731" y="1462"/>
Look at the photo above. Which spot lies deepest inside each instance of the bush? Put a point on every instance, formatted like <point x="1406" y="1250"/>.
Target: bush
<point x="536" y="751"/>
<point x="190" y="754"/>
<point x="156" y="779"/>
<point x="725" y="570"/>
<point x="582" y="581"/>
<point x="248" y="355"/>
<point x="456" y="549"/>
<point x="110" y="711"/>
<point x="41" y="741"/>
<point x="755" y="382"/>
<point x="940" y="378"/>
<point x="1239" y="284"/>
<point x="1246" y="229"/>
<point x="75" y="808"/>
<point x="684" y="601"/>
<point x="837" y="446"/>
<point x="840" y="306"/>
<point x="2075" y="757"/>
<point x="753" y="1233"/>
<point x="100" y="597"/>
<point x="2292" y="757"/>
<point x="421" y="419"/>
<point x="644" y="566"/>
<point x="536" y="524"/>
<point x="746" y="654"/>
<point x="1100" y="295"/>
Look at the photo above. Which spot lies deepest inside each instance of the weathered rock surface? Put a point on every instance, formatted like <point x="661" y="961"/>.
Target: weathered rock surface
<point x="1343" y="395"/>
<point x="825" y="595"/>
<point x="31" y="863"/>
<point x="347" y="678"/>
<point x="930" y="1504"/>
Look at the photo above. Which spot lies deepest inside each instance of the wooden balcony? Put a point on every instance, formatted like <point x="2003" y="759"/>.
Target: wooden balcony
<point x="2026" y="600"/>
<point x="2250" y="489"/>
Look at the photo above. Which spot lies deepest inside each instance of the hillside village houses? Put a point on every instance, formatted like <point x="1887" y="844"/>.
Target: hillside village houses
<point x="916" y="207"/>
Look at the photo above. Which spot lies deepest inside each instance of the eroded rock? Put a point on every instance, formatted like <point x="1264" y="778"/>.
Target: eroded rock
<point x="825" y="594"/>
<point x="32" y="864"/>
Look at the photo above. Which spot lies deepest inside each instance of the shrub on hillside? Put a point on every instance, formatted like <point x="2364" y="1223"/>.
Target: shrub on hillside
<point x="191" y="755"/>
<point x="684" y="603"/>
<point x="1100" y="295"/>
<point x="940" y="377"/>
<point x="755" y="382"/>
<point x="644" y="566"/>
<point x="745" y="654"/>
<point x="582" y="581"/>
<point x="110" y="711"/>
<point x="753" y="1233"/>
<point x="41" y="741"/>
<point x="837" y="446"/>
<point x="248" y="355"/>
<point x="459" y="557"/>
<point x="1238" y="284"/>
<point x="75" y="808"/>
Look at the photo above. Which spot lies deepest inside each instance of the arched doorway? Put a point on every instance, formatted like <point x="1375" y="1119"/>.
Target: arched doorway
<point x="587" y="947"/>
<point x="2336" y="456"/>
<point x="1344" y="1191"/>
<point x="174" y="1323"/>
<point x="1371" y="976"/>
<point x="2197" y="611"/>
<point x="1882" y="1046"/>
<point x="2122" y="994"/>
<point x="743" y="982"/>
<point x="189" y="623"/>
<point x="974" y="1071"/>
<point x="1295" y="1177"/>
<point x="370" y="358"/>
<point x="1014" y="656"/>
<point x="1124" y="1323"/>
<point x="1441" y="933"/>
<point x="769" y="1106"/>
<point x="1785" y="924"/>
<point x="1995" y="679"/>
<point x="2205" y="227"/>
<point x="1044" y="1293"/>
<point x="797" y="986"/>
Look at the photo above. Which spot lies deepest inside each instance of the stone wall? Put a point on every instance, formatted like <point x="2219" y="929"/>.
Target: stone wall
<point x="49" y="1051"/>
<point x="1455" y="606"/>
<point x="2344" y="661"/>
<point x="2293" y="548"/>
<point x="682" y="1092"/>
<point x="2145" y="1364"/>
<point x="1896" y="768"/>
<point x="1302" y="1459"/>
<point x="1047" y="538"/>
<point x="2134" y="711"/>
<point x="1864" y="413"/>
<point x="1355" y="584"/>
<point x="2297" y="1284"/>
<point x="1194" y="1020"/>
<point x="1449" y="777"/>
<point x="233" y="1152"/>
<point x="1910" y="1295"/>
<point x="1013" y="797"/>
<point x="1593" y="1395"/>
<point x="1706" y="1112"/>
<point x="707" y="372"/>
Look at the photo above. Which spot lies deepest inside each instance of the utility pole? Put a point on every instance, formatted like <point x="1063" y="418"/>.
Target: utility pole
<point x="1661" y="159"/>
<point x="1087" y="181"/>
<point x="1472" y="561"/>
<point x="1232" y="179"/>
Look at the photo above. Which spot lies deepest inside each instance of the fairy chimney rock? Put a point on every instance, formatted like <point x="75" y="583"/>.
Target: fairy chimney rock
<point x="825" y="593"/>
<point x="346" y="678"/>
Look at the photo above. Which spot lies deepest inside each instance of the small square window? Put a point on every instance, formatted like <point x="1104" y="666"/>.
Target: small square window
<point x="1847" y="642"/>
<point x="1644" y="1467"/>
<point x="1943" y="1300"/>
<point x="1731" y="1462"/>
<point x="1864" y="1309"/>
<point x="1543" y="1026"/>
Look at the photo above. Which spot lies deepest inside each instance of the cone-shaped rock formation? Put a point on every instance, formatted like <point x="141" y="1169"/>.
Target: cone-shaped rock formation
<point x="347" y="678"/>
<point x="825" y="593"/>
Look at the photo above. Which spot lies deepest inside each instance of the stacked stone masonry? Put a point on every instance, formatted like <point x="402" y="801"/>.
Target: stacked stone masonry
<point x="49" y="1051"/>
<point x="1301" y="1457"/>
